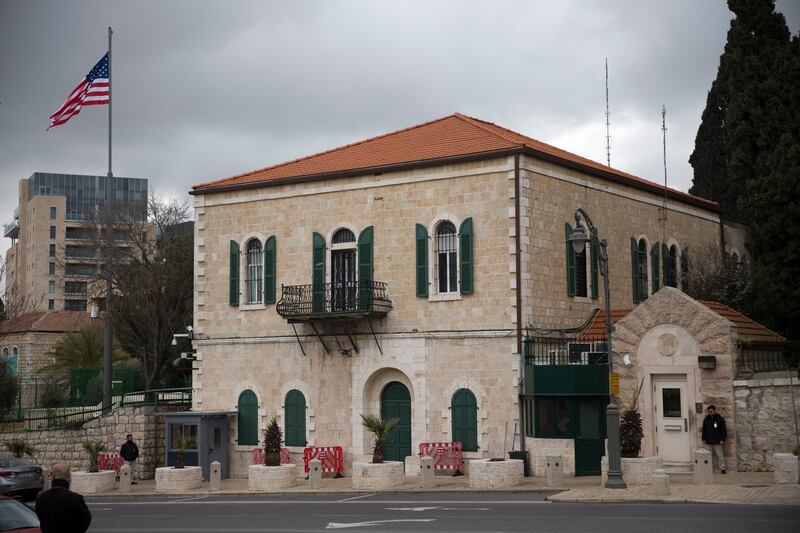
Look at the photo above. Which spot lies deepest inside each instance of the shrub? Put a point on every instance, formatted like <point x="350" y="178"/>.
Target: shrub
<point x="18" y="448"/>
<point x="54" y="394"/>
<point x="630" y="427"/>
<point x="273" y="438"/>
<point x="380" y="429"/>
<point x="9" y="389"/>
<point x="93" y="449"/>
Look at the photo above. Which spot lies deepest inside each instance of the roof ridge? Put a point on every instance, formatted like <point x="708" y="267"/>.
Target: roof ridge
<point x="317" y="154"/>
<point x="482" y="125"/>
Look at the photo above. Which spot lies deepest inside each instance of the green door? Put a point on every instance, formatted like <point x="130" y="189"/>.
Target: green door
<point x="589" y="436"/>
<point x="396" y="402"/>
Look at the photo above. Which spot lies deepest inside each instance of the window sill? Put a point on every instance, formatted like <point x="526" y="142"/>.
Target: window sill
<point x="582" y="299"/>
<point x="245" y="447"/>
<point x="446" y="297"/>
<point x="251" y="307"/>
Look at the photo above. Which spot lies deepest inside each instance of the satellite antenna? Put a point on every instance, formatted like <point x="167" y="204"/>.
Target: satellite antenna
<point x="608" y="123"/>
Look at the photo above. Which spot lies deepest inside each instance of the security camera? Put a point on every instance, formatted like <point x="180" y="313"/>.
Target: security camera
<point x="189" y="329"/>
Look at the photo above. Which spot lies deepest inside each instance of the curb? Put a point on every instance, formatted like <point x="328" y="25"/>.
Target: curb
<point x="318" y="493"/>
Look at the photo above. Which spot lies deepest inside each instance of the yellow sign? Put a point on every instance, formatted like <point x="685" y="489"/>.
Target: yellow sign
<point x="614" y="384"/>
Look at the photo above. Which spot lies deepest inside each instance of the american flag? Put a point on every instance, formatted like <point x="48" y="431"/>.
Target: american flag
<point x="92" y="90"/>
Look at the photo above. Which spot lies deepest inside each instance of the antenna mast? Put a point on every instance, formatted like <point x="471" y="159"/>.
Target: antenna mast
<point x="664" y="142"/>
<point x="608" y="123"/>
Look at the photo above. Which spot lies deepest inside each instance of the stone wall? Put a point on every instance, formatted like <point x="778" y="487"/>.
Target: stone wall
<point x="764" y="419"/>
<point x="146" y="424"/>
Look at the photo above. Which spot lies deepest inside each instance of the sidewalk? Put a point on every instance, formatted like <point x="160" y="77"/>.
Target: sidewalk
<point x="735" y="487"/>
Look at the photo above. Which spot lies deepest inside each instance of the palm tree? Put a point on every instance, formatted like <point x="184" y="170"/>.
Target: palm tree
<point x="18" y="448"/>
<point x="81" y="349"/>
<point x="181" y="442"/>
<point x="93" y="449"/>
<point x="381" y="429"/>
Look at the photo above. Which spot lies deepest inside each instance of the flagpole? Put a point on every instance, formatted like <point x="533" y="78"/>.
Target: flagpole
<point x="108" y="325"/>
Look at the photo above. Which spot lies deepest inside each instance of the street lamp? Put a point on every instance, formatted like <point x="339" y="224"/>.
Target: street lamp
<point x="579" y="239"/>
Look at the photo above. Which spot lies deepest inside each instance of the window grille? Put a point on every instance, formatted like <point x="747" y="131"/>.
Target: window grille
<point x="672" y="267"/>
<point x="446" y="258"/>
<point x="255" y="272"/>
<point x="344" y="235"/>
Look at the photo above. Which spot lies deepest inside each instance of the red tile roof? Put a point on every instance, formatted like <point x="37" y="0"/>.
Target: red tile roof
<point x="450" y="137"/>
<point x="47" y="322"/>
<point x="746" y="328"/>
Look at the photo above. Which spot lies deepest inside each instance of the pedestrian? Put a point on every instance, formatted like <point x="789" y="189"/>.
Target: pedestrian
<point x="130" y="452"/>
<point x="714" y="435"/>
<point x="59" y="509"/>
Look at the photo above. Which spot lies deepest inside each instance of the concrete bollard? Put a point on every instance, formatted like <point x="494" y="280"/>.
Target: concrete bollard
<point x="555" y="471"/>
<point x="661" y="482"/>
<point x="427" y="474"/>
<point x="48" y="481"/>
<point x="314" y="474"/>
<point x="215" y="477"/>
<point x="703" y="474"/>
<point x="125" y="479"/>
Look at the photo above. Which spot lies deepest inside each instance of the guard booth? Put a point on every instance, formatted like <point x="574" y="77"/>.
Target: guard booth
<point x="208" y="433"/>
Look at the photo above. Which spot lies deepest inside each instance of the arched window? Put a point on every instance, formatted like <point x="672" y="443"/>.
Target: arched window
<point x="12" y="361"/>
<point x="342" y="236"/>
<point x="446" y="253"/>
<point x="641" y="272"/>
<point x="464" y="413"/>
<point x="247" y="410"/>
<point x="255" y="272"/>
<point x="671" y="267"/>
<point x="295" y="418"/>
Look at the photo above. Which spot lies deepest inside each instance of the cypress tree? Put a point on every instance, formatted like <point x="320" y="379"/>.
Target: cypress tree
<point x="735" y="125"/>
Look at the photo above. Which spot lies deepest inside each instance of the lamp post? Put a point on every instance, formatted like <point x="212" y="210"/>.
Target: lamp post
<point x="579" y="238"/>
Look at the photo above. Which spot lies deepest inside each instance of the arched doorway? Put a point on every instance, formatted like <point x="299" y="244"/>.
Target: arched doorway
<point x="396" y="402"/>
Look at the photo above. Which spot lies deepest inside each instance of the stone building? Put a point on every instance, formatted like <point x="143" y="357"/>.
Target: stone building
<point x="400" y="276"/>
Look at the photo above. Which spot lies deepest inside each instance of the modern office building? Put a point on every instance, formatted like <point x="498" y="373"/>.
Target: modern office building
<point x="50" y="261"/>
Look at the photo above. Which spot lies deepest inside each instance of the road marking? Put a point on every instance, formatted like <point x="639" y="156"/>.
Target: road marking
<point x="355" y="498"/>
<point x="465" y="508"/>
<point x="341" y="525"/>
<point x="415" y="509"/>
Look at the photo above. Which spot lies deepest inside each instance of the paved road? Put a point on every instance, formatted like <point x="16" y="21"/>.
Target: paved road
<point x="414" y="513"/>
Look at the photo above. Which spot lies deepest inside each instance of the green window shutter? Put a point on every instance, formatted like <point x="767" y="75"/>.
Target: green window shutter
<point x="654" y="253"/>
<point x="318" y="281"/>
<point x="295" y="418"/>
<point x="422" y="261"/>
<point x="570" y="253"/>
<point x="247" y="410"/>
<point x="465" y="252"/>
<point x="365" y="287"/>
<point x="595" y="266"/>
<point x="635" y="270"/>
<point x="464" y="415"/>
<point x="233" y="275"/>
<point x="269" y="270"/>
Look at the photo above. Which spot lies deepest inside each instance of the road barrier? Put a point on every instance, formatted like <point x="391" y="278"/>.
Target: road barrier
<point x="258" y="456"/>
<point x="446" y="455"/>
<point x="331" y="457"/>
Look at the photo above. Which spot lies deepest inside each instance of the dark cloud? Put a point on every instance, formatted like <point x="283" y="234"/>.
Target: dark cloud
<point x="204" y="89"/>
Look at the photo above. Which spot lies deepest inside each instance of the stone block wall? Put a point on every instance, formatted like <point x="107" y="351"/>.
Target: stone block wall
<point x="765" y="419"/>
<point x="146" y="424"/>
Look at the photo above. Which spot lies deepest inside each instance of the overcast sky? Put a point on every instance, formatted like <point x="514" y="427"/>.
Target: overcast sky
<point x="206" y="89"/>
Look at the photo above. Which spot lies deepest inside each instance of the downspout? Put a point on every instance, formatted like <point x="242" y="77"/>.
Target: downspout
<point x="521" y="384"/>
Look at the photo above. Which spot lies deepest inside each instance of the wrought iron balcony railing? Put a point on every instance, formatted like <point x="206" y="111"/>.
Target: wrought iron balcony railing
<point x="367" y="299"/>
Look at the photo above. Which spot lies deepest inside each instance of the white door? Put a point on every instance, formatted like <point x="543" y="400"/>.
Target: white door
<point x="673" y="443"/>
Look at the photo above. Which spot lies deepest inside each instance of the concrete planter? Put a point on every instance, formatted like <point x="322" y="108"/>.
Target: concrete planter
<point x="635" y="470"/>
<point x="371" y="476"/>
<point x="488" y="474"/>
<point x="786" y="468"/>
<point x="93" y="482"/>
<point x="264" y="478"/>
<point x="171" y="479"/>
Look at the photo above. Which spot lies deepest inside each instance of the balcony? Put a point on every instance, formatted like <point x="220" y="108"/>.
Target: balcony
<point x="566" y="366"/>
<point x="334" y="301"/>
<point x="11" y="230"/>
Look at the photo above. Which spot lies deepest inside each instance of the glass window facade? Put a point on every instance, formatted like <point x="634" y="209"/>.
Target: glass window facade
<point x="85" y="194"/>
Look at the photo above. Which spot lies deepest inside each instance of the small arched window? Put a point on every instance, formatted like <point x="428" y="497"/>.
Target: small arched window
<point x="641" y="271"/>
<point x="295" y="418"/>
<point x="343" y="236"/>
<point x="446" y="258"/>
<point x="255" y="272"/>
<point x="464" y="413"/>
<point x="247" y="410"/>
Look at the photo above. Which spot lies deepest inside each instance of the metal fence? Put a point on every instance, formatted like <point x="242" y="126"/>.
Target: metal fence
<point x="74" y="417"/>
<point x="751" y="357"/>
<point x="566" y="351"/>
